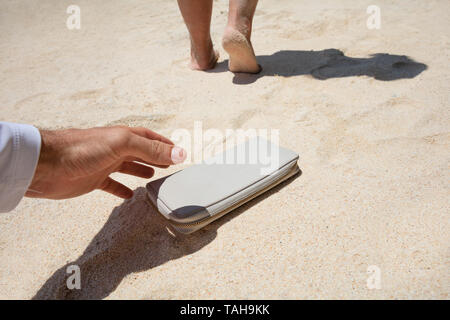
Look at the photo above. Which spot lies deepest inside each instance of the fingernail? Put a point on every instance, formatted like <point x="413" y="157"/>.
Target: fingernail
<point x="178" y="155"/>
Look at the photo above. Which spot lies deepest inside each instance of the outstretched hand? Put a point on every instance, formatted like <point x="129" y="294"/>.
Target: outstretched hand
<point x="76" y="161"/>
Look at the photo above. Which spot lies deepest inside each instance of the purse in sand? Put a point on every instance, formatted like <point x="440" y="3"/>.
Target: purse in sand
<point x="196" y="196"/>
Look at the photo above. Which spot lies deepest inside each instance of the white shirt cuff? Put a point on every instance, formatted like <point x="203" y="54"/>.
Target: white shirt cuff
<point x="23" y="155"/>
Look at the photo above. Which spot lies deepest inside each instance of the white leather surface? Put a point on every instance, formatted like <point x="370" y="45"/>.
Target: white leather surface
<point x="189" y="192"/>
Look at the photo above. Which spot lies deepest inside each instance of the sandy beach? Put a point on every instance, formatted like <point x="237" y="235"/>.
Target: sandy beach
<point x="366" y="109"/>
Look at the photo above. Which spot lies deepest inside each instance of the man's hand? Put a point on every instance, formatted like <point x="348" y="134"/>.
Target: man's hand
<point x="76" y="161"/>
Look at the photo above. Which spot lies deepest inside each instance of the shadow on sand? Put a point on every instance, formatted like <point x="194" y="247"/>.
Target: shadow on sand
<point x="134" y="239"/>
<point x="330" y="63"/>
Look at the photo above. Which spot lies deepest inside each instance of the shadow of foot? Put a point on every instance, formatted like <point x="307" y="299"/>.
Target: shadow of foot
<point x="135" y="238"/>
<point x="330" y="63"/>
<point x="381" y="66"/>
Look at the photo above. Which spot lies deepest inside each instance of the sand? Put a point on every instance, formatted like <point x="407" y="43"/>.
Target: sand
<point x="372" y="133"/>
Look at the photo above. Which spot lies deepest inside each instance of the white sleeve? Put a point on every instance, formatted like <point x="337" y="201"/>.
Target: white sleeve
<point x="20" y="146"/>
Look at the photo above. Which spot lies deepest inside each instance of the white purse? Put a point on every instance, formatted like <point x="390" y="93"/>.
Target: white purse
<point x="196" y="196"/>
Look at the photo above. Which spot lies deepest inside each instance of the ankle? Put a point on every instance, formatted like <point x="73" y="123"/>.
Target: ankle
<point x="201" y="50"/>
<point x="201" y="44"/>
<point x="203" y="57"/>
<point x="242" y="25"/>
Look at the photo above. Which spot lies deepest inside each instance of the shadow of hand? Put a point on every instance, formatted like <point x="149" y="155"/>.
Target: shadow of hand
<point x="135" y="238"/>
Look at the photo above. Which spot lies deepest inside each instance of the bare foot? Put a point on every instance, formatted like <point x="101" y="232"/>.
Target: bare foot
<point x="203" y="58"/>
<point x="240" y="49"/>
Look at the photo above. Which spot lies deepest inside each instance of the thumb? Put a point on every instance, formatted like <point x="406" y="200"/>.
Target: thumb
<point x="155" y="152"/>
